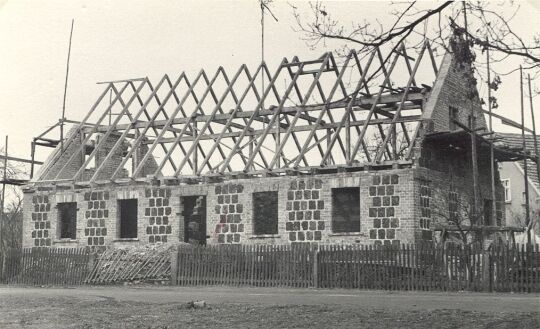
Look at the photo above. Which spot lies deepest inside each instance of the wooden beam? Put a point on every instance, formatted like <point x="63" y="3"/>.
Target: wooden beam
<point x="207" y="123"/>
<point x="318" y="123"/>
<point x="10" y="158"/>
<point x="258" y="132"/>
<point x="87" y="138"/>
<point x="377" y="98"/>
<point x="218" y="138"/>
<point x="252" y="117"/>
<point x="44" y="170"/>
<point x="507" y="121"/>
<point x="137" y="141"/>
<point x="391" y="129"/>
<point x="295" y="118"/>
<point x="346" y="117"/>
<point x="173" y="115"/>
<point x="103" y="139"/>
<point x="359" y="104"/>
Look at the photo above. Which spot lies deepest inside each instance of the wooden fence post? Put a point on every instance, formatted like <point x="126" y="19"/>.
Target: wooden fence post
<point x="91" y="264"/>
<point x="315" y="256"/>
<point x="486" y="270"/>
<point x="174" y="266"/>
<point x="2" y="264"/>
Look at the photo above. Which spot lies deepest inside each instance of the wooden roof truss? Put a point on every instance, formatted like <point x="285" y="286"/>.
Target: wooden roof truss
<point x="307" y="114"/>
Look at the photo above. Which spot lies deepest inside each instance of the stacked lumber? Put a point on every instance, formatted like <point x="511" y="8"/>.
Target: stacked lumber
<point x="132" y="264"/>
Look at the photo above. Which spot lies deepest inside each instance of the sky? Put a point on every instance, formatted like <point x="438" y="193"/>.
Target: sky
<point x="135" y="38"/>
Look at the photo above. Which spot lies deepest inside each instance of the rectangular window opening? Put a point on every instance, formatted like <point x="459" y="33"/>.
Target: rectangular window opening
<point x="507" y="192"/>
<point x="265" y="213"/>
<point x="87" y="152"/>
<point x="129" y="166"/>
<point x="453" y="116"/>
<point x="488" y="212"/>
<point x="128" y="218"/>
<point x="346" y="210"/>
<point x="67" y="219"/>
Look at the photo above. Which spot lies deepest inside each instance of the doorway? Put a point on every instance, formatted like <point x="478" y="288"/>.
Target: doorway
<point x="194" y="214"/>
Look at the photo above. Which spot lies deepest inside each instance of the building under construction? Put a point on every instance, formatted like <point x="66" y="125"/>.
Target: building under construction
<point x="369" y="149"/>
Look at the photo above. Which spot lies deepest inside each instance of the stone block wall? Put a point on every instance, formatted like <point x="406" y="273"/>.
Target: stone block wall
<point x="96" y="215"/>
<point x="383" y="209"/>
<point x="229" y="211"/>
<point x="396" y="206"/>
<point x="157" y="214"/>
<point x="40" y="222"/>
<point x="304" y="206"/>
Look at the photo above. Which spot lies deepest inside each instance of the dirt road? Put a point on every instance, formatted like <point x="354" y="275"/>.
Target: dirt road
<point x="279" y="296"/>
<point x="165" y="307"/>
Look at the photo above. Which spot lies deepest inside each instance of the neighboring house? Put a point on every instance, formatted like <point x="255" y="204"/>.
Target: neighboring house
<point x="237" y="178"/>
<point x="513" y="179"/>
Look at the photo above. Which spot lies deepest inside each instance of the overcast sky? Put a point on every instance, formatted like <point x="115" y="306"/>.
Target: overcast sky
<point x="134" y="38"/>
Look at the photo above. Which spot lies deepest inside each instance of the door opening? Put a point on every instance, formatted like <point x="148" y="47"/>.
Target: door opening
<point x="194" y="214"/>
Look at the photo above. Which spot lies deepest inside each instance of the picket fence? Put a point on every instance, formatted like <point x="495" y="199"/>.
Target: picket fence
<point x="45" y="266"/>
<point x="77" y="266"/>
<point x="408" y="267"/>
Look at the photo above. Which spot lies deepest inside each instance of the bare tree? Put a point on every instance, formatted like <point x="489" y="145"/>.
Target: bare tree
<point x="483" y="24"/>
<point x="11" y="233"/>
<point x="534" y="222"/>
<point x="454" y="212"/>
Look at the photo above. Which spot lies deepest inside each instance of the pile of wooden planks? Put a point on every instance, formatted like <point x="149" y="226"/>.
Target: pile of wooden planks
<point x="138" y="264"/>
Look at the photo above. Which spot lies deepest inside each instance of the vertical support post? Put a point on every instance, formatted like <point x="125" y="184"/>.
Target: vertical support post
<point x="65" y="90"/>
<point x="394" y="141"/>
<point x="32" y="155"/>
<point x="315" y="256"/>
<point x="195" y="151"/>
<point x="534" y="129"/>
<point x="251" y="149"/>
<point x="491" y="153"/>
<point x="278" y="141"/>
<point x="474" y="158"/>
<point x="3" y="194"/>
<point x="486" y="270"/>
<point x="174" y="266"/>
<point x="136" y="156"/>
<point x="348" y="137"/>
<point x="328" y="146"/>
<point x="526" y="175"/>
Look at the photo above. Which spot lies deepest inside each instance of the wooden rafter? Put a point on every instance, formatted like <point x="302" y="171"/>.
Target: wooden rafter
<point x="314" y="119"/>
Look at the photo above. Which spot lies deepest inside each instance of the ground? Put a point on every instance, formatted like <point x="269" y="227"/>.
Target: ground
<point x="167" y="307"/>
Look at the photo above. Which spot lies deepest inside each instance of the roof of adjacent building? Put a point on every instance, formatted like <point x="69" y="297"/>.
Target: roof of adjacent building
<point x="514" y="142"/>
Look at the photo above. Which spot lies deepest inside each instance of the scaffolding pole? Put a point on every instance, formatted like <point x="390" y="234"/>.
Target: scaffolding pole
<point x="3" y="194"/>
<point x="491" y="155"/>
<point x="526" y="176"/>
<point x="534" y="128"/>
<point x="65" y="89"/>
